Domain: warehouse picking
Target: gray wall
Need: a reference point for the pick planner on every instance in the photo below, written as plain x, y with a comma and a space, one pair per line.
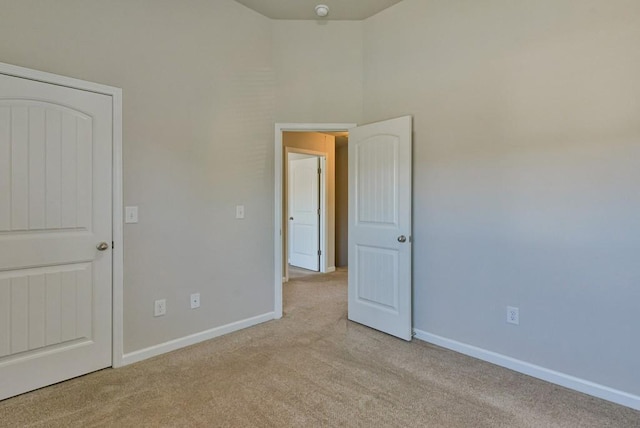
199, 80
526, 173
318, 70
199, 94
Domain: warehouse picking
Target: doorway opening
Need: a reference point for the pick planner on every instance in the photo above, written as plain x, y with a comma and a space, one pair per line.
296, 138
379, 222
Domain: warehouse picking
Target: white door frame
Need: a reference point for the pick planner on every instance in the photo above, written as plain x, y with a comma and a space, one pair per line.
278, 170
117, 250
323, 209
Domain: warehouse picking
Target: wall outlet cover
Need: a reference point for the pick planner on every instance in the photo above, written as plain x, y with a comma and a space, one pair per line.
130, 214
160, 307
513, 315
240, 211
195, 300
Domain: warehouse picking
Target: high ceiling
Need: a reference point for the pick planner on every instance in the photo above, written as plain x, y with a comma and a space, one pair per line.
305, 9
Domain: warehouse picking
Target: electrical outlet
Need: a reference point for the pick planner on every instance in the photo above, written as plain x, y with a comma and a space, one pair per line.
160, 307
130, 214
195, 300
240, 211
513, 315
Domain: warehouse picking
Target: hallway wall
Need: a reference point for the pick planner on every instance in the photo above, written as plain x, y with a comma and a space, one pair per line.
342, 203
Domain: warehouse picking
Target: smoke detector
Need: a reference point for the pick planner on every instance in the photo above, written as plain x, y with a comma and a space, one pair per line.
322, 10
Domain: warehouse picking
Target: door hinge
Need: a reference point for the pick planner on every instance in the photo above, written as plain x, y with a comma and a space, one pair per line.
319, 170
319, 252
112, 246
318, 211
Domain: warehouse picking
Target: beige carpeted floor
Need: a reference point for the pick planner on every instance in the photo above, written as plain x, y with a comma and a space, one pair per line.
312, 368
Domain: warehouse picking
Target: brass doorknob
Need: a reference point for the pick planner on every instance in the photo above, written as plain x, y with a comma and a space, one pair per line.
102, 246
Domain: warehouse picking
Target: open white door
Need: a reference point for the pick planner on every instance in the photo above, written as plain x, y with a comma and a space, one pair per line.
380, 226
55, 233
304, 213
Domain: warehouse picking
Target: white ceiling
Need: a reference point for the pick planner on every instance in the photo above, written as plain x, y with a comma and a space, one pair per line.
305, 9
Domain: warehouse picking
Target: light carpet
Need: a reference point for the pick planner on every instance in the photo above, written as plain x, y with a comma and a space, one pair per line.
311, 368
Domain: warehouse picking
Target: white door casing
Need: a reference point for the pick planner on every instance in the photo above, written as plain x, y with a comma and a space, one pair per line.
56, 146
304, 213
278, 150
380, 226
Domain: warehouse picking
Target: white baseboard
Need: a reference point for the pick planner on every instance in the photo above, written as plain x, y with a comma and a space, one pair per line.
562, 379
192, 339
331, 269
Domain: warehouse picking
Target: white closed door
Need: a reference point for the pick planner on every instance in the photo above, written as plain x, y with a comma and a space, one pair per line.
55, 210
380, 226
304, 213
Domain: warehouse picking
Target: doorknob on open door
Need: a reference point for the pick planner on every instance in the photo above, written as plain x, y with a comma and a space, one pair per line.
402, 238
102, 246
290, 218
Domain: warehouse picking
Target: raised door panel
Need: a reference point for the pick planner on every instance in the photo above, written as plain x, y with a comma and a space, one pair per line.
46, 167
377, 181
377, 277
45, 307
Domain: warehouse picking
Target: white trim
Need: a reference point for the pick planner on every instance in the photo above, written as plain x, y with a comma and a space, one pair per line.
324, 221
118, 235
277, 176
192, 339
558, 378
117, 254
44, 77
